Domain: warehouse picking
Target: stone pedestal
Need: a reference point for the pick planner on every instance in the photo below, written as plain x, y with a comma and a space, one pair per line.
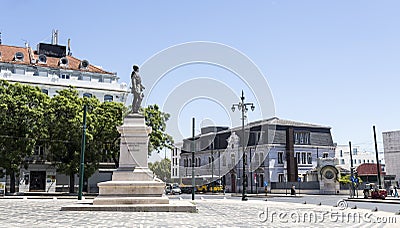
132, 182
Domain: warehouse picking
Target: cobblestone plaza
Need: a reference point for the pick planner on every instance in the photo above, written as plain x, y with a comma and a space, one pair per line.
211, 213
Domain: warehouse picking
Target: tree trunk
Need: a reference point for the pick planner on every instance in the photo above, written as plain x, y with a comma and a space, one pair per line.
72, 183
12, 181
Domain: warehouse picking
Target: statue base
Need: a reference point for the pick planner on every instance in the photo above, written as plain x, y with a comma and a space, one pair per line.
133, 182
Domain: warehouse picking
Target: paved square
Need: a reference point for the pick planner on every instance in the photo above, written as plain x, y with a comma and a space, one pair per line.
211, 213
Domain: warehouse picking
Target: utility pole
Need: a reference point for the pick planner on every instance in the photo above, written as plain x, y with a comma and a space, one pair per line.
351, 173
377, 160
82, 164
251, 173
212, 167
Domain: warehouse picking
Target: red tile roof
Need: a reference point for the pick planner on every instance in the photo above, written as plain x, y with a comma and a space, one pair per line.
368, 169
8, 54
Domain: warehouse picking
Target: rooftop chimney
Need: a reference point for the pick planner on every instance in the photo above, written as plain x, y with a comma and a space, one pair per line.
54, 37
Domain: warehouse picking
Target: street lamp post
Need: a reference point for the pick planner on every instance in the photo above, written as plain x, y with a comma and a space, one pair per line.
242, 106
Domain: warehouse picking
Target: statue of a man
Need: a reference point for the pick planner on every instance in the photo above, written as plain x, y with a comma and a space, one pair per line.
137, 89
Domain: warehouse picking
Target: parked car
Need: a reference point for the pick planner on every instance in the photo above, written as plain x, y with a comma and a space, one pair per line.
168, 189
176, 190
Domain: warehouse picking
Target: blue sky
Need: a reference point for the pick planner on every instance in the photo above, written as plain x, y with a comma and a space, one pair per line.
334, 63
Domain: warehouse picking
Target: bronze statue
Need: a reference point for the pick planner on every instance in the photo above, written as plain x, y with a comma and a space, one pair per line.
137, 89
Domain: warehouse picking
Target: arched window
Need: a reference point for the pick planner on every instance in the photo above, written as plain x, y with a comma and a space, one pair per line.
190, 162
108, 98
199, 164
88, 95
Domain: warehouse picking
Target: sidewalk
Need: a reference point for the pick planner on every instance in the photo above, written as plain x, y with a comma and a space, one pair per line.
389, 200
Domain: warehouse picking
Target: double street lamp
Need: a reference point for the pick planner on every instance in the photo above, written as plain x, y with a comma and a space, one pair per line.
242, 106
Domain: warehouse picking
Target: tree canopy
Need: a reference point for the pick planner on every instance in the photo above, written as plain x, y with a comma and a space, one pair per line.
29, 117
162, 169
21, 123
156, 119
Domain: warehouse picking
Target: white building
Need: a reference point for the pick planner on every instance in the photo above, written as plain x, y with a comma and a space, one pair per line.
52, 68
342, 153
175, 157
391, 145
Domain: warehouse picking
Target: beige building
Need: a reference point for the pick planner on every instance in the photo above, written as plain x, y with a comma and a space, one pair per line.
391, 145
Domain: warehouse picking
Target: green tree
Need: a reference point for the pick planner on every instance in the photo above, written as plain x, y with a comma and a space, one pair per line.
106, 138
162, 169
65, 116
21, 123
65, 130
156, 119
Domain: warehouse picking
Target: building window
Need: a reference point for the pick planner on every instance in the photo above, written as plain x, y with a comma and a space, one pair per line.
261, 159
372, 161
359, 161
88, 95
341, 153
199, 162
303, 158
64, 76
342, 161
45, 91
257, 158
223, 160
302, 138
232, 159
40, 73
261, 180
107, 80
364, 161
280, 157
298, 157
355, 151
281, 177
18, 71
325, 155
108, 98
39, 150
309, 158
85, 78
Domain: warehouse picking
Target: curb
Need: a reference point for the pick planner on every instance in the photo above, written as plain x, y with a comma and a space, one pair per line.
373, 201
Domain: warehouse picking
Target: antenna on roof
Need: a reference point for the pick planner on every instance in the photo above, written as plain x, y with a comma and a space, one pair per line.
54, 37
69, 47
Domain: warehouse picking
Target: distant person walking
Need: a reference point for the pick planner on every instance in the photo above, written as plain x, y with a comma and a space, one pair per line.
396, 194
293, 190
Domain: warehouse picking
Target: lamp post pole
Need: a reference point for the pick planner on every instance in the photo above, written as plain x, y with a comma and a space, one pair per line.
242, 106
193, 145
82, 163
